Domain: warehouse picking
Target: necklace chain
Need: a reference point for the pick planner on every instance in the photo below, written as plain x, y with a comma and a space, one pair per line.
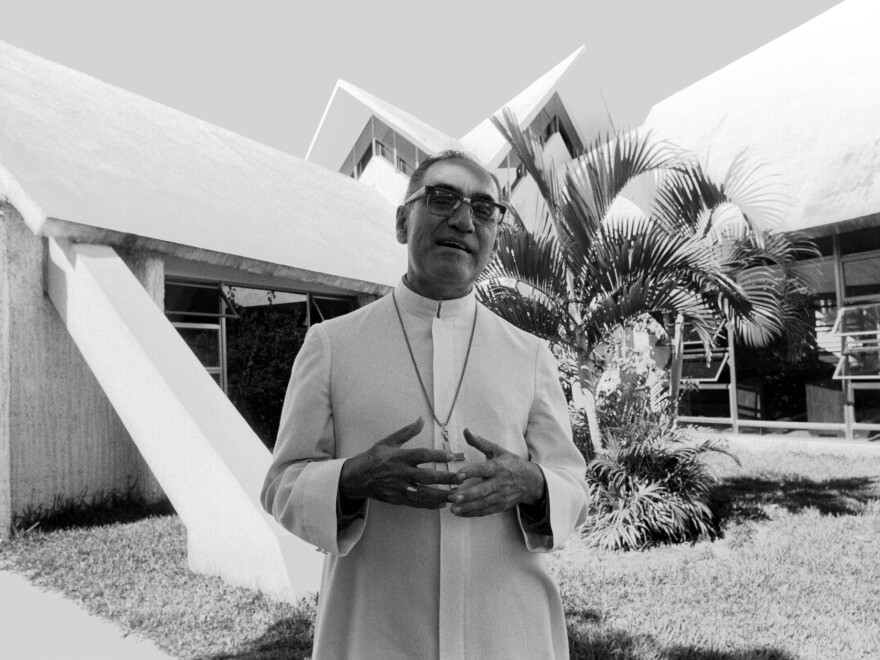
412, 357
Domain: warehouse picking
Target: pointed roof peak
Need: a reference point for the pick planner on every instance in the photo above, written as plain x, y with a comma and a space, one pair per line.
485, 141
349, 110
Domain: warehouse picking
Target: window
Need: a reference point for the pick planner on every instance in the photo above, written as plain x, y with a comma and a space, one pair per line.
859, 325
247, 340
861, 277
362, 163
696, 366
198, 312
378, 139
384, 150
857, 320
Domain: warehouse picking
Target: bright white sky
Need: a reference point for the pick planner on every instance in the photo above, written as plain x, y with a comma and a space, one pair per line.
266, 68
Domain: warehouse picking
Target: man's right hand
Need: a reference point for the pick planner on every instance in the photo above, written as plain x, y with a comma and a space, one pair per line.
384, 471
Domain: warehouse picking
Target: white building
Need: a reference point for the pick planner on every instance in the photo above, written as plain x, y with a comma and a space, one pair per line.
141, 247
807, 106
122, 218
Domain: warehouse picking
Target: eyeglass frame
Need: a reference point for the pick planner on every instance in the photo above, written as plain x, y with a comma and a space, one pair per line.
425, 190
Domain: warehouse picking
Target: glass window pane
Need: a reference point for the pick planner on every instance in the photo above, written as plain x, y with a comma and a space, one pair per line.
858, 319
329, 308
861, 277
696, 368
261, 344
867, 406
191, 299
860, 240
704, 403
821, 273
247, 297
205, 343
859, 363
827, 339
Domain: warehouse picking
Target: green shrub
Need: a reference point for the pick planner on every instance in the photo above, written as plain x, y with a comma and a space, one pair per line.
648, 483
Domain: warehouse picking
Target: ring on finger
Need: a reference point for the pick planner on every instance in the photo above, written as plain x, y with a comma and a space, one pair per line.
412, 492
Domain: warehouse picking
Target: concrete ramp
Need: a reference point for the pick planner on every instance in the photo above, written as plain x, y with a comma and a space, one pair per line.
204, 455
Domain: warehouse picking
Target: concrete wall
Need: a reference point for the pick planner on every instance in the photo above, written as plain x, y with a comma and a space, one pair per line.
381, 175
5, 384
59, 435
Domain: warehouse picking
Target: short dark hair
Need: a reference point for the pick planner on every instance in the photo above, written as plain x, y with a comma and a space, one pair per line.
418, 175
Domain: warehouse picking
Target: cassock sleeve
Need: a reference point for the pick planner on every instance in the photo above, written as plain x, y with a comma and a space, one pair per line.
548, 437
302, 485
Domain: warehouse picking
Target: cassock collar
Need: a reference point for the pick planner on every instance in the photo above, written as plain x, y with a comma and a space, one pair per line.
419, 305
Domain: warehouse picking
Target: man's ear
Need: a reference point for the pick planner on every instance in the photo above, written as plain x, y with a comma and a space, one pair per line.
402, 213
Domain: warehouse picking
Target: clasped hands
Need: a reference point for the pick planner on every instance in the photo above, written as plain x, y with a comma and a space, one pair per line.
384, 472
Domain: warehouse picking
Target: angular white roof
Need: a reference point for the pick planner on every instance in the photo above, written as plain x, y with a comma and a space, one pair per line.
347, 113
77, 149
350, 108
806, 104
577, 90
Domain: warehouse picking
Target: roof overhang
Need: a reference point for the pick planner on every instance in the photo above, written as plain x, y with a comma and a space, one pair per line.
199, 263
347, 113
806, 105
76, 149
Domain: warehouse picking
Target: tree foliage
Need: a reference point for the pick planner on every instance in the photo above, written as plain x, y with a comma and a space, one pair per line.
649, 485
693, 249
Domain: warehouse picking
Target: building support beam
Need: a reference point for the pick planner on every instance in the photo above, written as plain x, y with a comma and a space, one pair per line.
206, 458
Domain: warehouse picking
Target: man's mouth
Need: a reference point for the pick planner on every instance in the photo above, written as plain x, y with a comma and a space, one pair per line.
450, 243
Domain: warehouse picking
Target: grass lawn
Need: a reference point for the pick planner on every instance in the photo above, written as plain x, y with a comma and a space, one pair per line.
796, 576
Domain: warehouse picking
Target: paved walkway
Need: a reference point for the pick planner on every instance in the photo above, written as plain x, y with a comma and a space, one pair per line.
42, 625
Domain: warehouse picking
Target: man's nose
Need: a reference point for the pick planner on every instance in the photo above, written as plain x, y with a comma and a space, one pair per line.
461, 219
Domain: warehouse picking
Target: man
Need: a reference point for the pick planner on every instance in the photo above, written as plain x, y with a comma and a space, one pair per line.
425, 446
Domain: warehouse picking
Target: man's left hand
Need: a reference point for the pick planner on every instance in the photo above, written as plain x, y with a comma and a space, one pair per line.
505, 480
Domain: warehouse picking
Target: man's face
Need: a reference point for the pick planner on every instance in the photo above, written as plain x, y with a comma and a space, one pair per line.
447, 254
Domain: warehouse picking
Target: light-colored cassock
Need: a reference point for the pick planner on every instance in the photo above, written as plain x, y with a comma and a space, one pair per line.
409, 583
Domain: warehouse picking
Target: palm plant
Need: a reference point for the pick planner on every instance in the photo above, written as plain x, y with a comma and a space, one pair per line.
696, 253
650, 484
656, 490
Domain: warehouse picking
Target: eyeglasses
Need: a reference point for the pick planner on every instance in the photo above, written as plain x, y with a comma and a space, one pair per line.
444, 202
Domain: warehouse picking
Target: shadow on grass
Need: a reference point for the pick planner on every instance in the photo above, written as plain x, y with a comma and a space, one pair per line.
104, 509
287, 639
743, 498
594, 643
292, 639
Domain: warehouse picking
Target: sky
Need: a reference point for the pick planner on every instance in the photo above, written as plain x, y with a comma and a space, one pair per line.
266, 68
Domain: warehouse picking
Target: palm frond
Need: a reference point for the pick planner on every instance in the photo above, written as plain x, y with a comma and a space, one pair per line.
523, 258
763, 200
531, 153
685, 199
531, 313
612, 161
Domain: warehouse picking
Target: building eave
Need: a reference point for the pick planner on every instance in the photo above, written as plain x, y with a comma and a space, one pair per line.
80, 233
